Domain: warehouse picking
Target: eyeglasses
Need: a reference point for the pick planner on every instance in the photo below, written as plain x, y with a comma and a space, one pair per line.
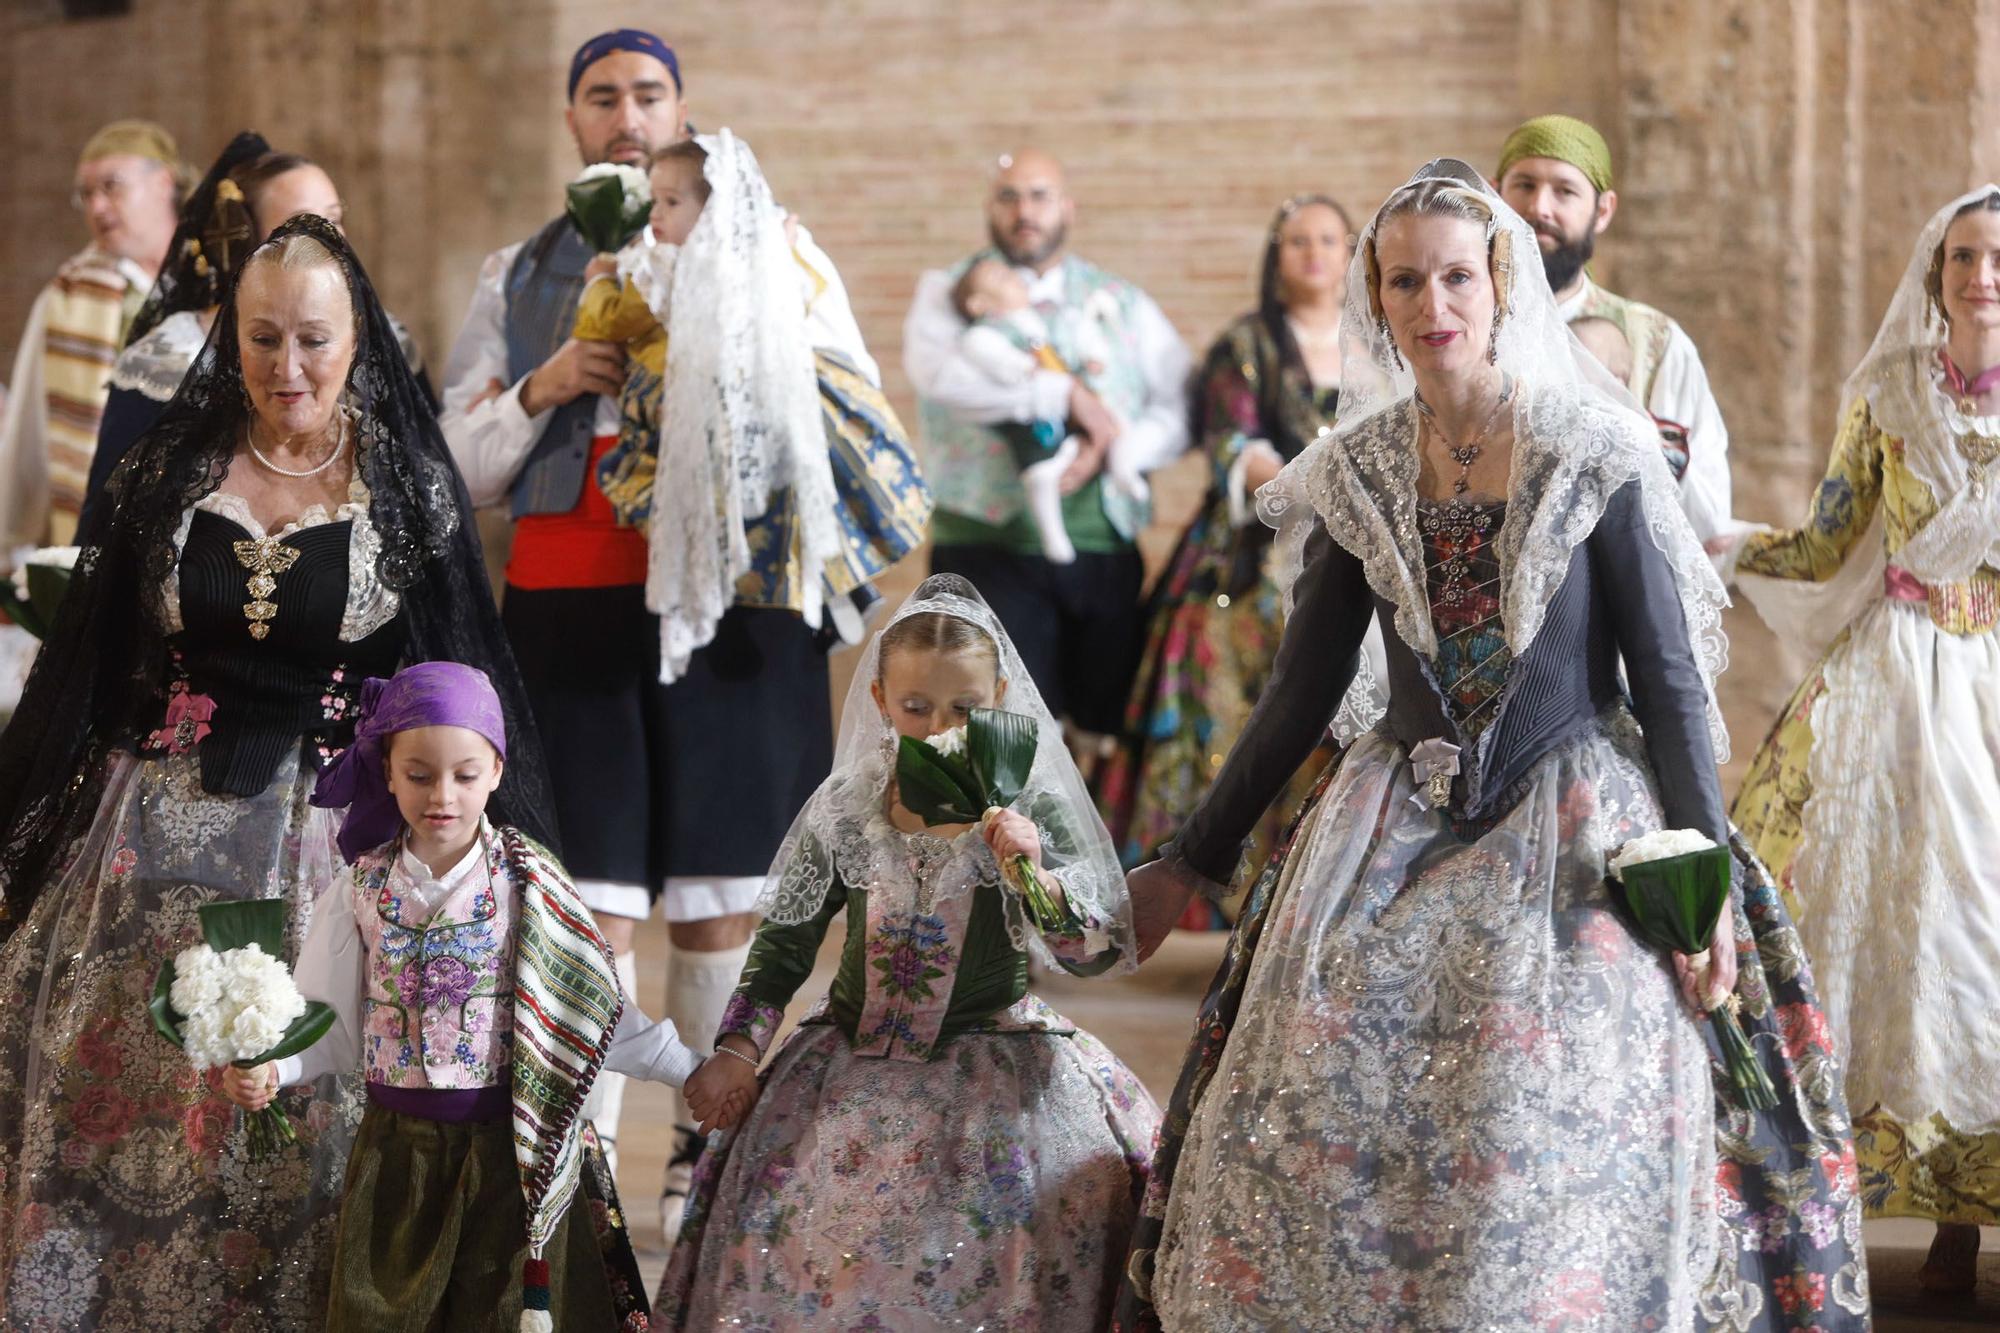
113, 188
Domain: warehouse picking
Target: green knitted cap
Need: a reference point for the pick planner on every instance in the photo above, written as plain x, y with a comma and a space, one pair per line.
1564, 138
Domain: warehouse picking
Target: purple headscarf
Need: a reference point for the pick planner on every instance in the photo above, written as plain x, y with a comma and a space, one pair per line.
429, 694
621, 39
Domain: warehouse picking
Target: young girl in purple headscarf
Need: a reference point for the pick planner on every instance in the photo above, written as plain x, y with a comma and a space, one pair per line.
475, 992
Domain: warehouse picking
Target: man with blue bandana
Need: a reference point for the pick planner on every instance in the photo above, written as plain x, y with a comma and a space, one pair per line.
646, 811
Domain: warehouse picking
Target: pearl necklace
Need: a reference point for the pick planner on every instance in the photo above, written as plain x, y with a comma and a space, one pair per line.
339, 446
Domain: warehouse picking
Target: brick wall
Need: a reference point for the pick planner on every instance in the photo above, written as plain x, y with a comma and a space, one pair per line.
1775, 156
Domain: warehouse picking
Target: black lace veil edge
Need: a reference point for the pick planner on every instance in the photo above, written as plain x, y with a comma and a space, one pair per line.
192, 278
99, 681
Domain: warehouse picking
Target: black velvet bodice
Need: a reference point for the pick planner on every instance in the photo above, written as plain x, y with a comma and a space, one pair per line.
294, 686
1618, 601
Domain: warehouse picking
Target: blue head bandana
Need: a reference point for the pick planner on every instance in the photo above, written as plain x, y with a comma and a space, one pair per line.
621, 39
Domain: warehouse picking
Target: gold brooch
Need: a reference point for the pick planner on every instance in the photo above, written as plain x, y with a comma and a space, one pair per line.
265, 558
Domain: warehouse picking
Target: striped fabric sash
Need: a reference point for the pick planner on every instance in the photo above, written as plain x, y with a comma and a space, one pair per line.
86, 325
566, 1006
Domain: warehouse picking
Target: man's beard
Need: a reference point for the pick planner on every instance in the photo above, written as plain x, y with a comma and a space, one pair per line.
1028, 258
1568, 258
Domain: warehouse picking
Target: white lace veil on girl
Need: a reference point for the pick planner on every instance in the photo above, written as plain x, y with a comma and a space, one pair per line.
843, 832
740, 419
1578, 437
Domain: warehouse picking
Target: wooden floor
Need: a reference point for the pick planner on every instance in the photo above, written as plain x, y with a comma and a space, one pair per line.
1146, 1018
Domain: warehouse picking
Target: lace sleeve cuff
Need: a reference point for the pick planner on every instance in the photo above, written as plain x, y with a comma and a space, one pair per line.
752, 1018
1176, 863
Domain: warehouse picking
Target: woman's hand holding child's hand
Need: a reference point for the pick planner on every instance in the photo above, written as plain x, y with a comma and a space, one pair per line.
253, 1088
723, 1090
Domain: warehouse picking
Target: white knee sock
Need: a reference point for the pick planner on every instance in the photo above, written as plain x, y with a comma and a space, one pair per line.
699, 984
607, 1094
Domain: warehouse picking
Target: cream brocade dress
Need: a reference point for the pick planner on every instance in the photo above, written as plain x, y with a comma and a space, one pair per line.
1876, 800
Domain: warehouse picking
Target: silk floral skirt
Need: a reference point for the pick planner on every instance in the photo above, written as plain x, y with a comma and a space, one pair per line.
991, 1187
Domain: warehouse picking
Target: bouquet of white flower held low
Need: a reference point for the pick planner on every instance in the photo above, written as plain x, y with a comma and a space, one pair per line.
608, 204
1675, 884
962, 775
41, 577
231, 1000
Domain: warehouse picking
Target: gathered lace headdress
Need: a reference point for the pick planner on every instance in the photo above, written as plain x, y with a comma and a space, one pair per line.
844, 831
1578, 438
1902, 379
740, 418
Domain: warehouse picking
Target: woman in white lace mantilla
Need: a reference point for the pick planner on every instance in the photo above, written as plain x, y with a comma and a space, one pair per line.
1876, 795
934, 1146
1440, 1085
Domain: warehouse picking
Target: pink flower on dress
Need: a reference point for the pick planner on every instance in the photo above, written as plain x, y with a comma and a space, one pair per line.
186, 722
1802, 1027
1843, 1177
205, 1126
101, 1114
241, 1250
97, 1050
1807, 1289
1578, 1298
124, 861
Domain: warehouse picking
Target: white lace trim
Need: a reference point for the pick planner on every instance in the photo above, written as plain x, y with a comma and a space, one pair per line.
371, 604
158, 362
1572, 452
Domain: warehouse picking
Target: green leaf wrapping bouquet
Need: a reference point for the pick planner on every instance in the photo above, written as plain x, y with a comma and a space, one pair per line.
608, 204
231, 1000
961, 775
41, 578
1675, 885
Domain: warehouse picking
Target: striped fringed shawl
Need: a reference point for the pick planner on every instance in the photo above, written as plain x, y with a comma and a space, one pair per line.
566, 1005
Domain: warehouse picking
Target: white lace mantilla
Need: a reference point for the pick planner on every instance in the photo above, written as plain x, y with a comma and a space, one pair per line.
157, 363
1573, 451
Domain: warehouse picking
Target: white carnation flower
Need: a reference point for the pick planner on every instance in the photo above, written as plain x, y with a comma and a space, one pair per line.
949, 742
1659, 846
238, 1003
630, 179
198, 978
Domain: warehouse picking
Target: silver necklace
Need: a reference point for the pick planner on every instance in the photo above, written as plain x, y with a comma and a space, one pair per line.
339, 446
1468, 453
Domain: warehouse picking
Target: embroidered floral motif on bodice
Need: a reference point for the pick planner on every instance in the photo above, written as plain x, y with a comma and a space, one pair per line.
913, 954
438, 1010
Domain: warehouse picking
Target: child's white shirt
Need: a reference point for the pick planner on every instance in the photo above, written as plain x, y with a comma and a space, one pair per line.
333, 964
998, 354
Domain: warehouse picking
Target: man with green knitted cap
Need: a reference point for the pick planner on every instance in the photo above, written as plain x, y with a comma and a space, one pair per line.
1555, 171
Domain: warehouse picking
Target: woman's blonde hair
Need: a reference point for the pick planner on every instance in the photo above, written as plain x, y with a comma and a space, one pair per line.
1443, 197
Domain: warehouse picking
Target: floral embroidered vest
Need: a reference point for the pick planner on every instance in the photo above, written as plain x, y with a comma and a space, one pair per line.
438, 1005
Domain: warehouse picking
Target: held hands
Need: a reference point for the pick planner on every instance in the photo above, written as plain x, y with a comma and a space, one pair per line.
1158, 898
253, 1088
600, 266
578, 367
723, 1090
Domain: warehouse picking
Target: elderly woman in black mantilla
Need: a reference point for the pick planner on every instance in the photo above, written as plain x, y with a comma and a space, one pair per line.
1439, 1082
291, 526
249, 190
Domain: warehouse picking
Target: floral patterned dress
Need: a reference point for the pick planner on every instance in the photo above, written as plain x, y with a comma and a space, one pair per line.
1216, 613
1874, 799
1413, 1092
934, 1147
127, 1200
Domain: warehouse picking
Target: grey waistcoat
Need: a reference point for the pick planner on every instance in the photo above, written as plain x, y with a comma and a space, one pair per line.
543, 284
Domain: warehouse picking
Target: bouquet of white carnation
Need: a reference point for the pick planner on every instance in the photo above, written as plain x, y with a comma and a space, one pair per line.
231, 1000
607, 204
1675, 884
